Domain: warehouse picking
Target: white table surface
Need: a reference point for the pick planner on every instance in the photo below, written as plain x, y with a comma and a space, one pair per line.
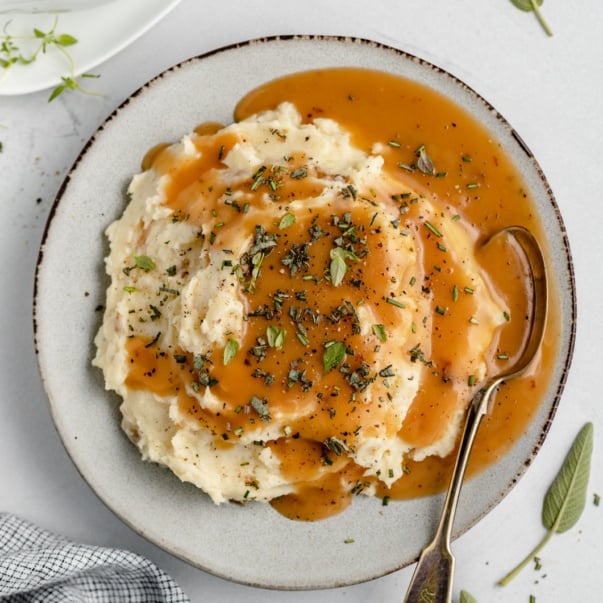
550, 89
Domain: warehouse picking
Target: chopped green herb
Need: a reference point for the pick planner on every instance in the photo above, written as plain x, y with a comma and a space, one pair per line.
395, 302
299, 173
261, 407
336, 445
155, 312
388, 371
276, 337
144, 262
333, 355
379, 332
338, 266
432, 229
417, 355
537, 564
230, 350
424, 163
287, 220
154, 340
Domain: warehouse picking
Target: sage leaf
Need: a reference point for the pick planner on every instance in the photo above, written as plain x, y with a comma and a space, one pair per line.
526, 5
467, 597
533, 6
276, 337
144, 262
333, 356
338, 266
261, 407
566, 497
424, 162
287, 220
230, 350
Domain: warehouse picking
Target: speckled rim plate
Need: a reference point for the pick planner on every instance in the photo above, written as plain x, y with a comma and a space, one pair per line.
253, 544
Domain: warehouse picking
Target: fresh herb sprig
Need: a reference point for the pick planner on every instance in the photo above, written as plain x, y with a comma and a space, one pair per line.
11, 54
565, 498
533, 6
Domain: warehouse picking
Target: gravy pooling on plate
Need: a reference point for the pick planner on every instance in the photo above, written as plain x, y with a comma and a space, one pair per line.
300, 306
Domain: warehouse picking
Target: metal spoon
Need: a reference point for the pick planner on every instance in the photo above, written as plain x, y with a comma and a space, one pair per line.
432, 580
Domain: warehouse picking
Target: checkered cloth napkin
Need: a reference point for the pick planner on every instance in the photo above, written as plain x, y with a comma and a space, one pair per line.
37, 566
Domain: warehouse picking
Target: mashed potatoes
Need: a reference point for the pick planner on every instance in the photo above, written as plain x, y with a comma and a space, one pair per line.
271, 317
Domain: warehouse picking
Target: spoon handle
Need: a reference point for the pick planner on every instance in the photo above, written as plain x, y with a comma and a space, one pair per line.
432, 580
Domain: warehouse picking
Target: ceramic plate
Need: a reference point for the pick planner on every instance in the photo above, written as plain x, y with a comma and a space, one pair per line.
101, 32
253, 544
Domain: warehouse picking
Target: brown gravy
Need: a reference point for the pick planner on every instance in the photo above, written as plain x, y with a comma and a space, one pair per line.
477, 181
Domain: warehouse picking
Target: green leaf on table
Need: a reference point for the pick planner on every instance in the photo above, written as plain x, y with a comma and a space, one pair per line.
467, 597
566, 497
526, 4
533, 6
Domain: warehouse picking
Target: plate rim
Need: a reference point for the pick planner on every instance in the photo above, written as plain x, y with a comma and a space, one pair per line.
558, 385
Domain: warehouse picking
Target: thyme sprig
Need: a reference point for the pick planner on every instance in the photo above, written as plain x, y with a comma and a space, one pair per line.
42, 42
